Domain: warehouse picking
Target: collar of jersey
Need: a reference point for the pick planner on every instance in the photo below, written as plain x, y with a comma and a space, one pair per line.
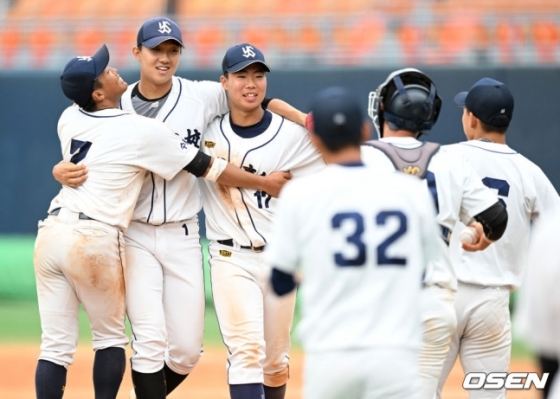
490, 145
105, 113
409, 142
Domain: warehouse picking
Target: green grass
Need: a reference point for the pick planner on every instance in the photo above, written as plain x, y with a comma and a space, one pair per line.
19, 315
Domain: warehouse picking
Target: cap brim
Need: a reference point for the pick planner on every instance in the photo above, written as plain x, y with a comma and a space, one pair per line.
242, 65
460, 98
101, 60
156, 41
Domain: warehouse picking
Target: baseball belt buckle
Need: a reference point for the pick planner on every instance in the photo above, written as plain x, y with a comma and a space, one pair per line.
257, 249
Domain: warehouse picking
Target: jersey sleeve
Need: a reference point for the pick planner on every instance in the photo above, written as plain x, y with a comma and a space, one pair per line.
160, 150
283, 245
304, 158
432, 243
547, 201
214, 98
476, 196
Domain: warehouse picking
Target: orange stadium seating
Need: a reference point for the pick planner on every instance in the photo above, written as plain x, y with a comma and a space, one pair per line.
340, 32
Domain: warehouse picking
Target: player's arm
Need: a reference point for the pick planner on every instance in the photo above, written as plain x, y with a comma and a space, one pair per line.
490, 226
69, 174
221, 171
285, 110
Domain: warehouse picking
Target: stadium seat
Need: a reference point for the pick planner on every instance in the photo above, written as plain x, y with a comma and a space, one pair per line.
10, 40
206, 40
410, 37
41, 40
545, 35
87, 40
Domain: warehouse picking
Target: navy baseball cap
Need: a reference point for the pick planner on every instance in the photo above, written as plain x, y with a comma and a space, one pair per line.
489, 100
79, 74
337, 116
241, 56
157, 30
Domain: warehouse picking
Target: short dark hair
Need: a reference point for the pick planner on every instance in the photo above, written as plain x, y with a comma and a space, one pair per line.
487, 128
337, 145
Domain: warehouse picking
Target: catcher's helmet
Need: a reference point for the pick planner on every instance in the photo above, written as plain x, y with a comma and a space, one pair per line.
407, 100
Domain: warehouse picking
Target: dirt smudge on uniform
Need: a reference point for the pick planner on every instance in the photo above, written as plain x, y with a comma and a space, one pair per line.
223, 193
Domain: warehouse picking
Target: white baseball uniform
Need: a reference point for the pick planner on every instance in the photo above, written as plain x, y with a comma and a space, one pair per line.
255, 324
537, 314
79, 252
363, 241
165, 277
459, 195
483, 336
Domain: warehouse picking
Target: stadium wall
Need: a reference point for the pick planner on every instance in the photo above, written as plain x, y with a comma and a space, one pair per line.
31, 102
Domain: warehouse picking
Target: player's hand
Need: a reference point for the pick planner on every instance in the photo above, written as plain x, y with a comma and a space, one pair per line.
483, 241
70, 175
274, 182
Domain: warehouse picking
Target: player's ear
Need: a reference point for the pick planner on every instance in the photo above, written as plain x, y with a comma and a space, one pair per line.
223, 81
473, 120
136, 53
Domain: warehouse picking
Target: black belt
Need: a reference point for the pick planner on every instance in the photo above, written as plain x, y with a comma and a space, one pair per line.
229, 243
80, 216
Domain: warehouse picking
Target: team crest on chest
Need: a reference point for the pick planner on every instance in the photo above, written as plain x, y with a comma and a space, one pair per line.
225, 253
209, 144
412, 170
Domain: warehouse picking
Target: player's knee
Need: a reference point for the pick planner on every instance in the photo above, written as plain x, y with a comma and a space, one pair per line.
276, 378
184, 361
248, 354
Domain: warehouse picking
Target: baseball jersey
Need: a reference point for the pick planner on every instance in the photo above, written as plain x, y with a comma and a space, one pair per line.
456, 190
362, 241
188, 109
117, 147
244, 215
537, 314
528, 196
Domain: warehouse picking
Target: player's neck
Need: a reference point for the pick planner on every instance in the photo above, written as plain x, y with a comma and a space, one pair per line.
153, 91
344, 156
498, 138
106, 104
398, 133
246, 118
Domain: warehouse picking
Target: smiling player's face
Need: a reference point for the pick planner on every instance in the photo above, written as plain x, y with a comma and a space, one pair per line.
247, 88
158, 64
112, 85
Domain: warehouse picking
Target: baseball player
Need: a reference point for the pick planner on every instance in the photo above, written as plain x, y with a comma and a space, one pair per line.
165, 274
254, 323
537, 311
362, 240
79, 251
485, 279
402, 108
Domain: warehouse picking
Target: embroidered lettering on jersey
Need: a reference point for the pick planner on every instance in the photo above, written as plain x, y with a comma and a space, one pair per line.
193, 137
209, 144
412, 170
225, 253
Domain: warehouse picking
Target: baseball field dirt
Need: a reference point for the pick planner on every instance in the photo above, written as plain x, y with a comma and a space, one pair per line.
208, 380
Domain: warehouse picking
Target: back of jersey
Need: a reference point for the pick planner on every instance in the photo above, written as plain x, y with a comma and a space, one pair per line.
363, 241
525, 191
117, 148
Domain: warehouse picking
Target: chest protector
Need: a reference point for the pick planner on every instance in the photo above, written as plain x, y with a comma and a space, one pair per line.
413, 161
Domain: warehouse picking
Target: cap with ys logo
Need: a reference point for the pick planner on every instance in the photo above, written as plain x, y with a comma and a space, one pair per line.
241, 56
157, 30
79, 74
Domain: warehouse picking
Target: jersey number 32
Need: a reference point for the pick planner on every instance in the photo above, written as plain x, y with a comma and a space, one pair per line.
355, 238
